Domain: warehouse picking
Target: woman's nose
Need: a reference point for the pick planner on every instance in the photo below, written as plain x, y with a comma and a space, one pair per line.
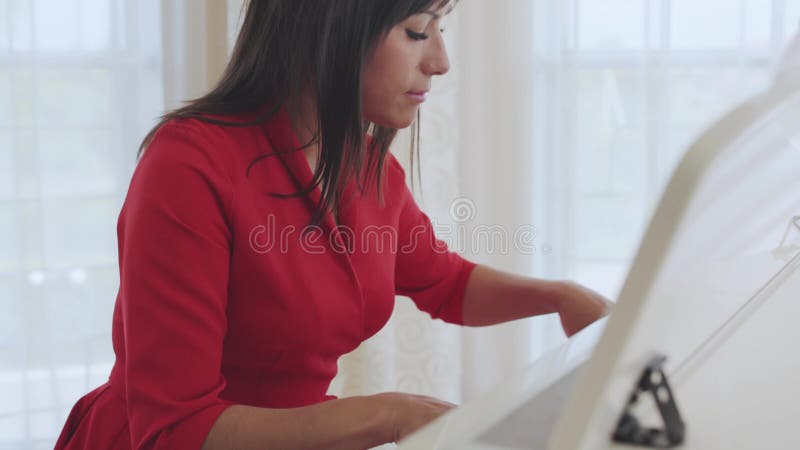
437, 61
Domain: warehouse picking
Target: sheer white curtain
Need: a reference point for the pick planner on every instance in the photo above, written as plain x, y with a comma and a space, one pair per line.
195, 46
80, 83
622, 87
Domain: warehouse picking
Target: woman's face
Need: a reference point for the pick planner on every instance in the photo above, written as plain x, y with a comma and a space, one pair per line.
397, 73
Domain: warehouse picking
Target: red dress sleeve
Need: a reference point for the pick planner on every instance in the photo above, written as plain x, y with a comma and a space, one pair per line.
434, 277
174, 260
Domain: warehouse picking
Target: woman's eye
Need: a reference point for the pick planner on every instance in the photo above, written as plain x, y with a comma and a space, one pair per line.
416, 36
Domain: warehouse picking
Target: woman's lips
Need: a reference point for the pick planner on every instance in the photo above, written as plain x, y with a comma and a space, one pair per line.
417, 96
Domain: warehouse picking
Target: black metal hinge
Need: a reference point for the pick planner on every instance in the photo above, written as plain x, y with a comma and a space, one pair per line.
630, 431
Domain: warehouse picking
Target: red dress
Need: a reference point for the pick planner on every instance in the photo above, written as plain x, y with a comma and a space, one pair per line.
222, 302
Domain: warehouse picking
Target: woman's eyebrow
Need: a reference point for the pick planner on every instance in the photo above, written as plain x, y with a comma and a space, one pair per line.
436, 15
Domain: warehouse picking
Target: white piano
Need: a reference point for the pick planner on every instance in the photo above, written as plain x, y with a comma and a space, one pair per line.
705, 329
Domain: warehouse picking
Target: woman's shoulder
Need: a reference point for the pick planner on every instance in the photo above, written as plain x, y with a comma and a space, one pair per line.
214, 131
222, 142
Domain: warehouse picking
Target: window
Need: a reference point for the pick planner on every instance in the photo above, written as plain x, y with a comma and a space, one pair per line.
623, 87
80, 84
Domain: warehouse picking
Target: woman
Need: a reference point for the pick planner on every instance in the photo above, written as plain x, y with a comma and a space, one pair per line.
245, 275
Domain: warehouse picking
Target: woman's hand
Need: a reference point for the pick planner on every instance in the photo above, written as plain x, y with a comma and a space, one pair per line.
406, 413
579, 306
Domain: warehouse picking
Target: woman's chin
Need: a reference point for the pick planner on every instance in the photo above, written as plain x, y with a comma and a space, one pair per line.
404, 124
398, 123
398, 119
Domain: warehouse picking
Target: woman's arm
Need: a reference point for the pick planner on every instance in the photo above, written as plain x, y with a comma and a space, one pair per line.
348, 423
492, 297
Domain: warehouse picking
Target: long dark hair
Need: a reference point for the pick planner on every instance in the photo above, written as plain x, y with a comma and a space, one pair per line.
285, 46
